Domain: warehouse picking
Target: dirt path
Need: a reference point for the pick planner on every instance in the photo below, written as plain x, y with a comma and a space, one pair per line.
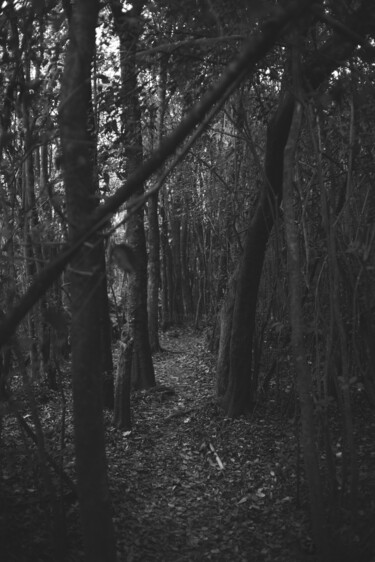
189, 485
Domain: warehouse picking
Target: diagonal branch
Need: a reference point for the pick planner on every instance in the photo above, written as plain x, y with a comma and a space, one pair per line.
255, 49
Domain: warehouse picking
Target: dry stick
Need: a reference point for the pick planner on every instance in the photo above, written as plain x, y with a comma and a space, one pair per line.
255, 49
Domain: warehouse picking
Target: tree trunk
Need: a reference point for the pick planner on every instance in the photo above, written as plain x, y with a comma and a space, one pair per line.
225, 320
128, 29
106, 362
240, 392
153, 222
153, 273
166, 272
91, 467
186, 284
122, 414
303, 374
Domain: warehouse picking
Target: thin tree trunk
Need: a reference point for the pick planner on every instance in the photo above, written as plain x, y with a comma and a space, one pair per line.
153, 273
143, 375
122, 413
186, 284
166, 272
225, 319
153, 221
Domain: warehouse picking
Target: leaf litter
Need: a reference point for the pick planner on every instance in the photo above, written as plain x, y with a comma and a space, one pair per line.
197, 486
187, 483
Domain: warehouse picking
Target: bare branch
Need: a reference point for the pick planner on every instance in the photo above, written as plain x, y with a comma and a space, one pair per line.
255, 49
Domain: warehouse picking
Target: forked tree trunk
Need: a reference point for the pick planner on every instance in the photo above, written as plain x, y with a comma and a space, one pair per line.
241, 390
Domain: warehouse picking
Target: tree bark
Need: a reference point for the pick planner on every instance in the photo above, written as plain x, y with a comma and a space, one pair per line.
154, 276
122, 413
303, 374
225, 320
166, 270
91, 467
185, 273
254, 50
240, 392
241, 389
106, 362
153, 273
129, 30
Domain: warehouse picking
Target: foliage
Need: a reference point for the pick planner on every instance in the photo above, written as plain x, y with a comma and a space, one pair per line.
209, 195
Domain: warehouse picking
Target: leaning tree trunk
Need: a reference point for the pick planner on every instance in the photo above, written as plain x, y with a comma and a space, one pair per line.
91, 468
128, 29
240, 392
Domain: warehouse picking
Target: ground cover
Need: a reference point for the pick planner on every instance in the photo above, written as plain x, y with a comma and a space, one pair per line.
187, 484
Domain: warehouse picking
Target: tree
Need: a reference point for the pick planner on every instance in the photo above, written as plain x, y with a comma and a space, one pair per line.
129, 28
240, 394
303, 374
253, 50
154, 276
85, 279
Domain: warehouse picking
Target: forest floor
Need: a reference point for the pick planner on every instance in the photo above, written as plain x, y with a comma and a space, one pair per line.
187, 484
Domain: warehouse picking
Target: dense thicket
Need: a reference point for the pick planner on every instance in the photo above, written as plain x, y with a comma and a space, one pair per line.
244, 206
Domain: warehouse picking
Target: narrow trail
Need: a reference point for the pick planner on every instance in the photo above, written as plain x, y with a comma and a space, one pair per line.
189, 485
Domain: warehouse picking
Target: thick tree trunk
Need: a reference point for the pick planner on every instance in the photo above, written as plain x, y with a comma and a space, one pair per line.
303, 374
93, 491
240, 392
